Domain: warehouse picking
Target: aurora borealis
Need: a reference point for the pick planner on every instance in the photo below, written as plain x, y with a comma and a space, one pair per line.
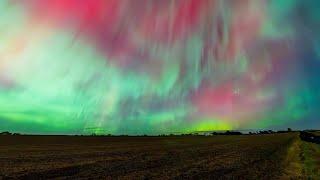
158, 66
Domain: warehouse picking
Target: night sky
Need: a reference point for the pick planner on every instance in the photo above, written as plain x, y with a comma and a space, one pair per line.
158, 66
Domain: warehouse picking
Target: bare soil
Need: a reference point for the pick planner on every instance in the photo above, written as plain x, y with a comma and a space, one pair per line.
177, 157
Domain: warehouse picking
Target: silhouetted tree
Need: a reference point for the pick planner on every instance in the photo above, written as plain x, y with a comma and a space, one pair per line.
232, 133
5, 133
271, 132
214, 133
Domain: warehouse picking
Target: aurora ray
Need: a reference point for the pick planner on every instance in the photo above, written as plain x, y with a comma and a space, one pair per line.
136, 67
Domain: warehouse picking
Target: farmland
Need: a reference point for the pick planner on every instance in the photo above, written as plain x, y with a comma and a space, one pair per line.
317, 133
251, 157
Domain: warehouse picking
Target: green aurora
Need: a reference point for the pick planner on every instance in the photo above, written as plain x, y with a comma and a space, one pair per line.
69, 67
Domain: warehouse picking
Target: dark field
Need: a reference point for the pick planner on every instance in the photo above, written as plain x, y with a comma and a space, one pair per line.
317, 133
249, 157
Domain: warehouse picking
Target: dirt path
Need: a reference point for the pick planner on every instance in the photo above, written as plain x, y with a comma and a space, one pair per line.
311, 159
303, 160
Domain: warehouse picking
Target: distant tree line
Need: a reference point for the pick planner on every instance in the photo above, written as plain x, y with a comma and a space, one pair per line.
7, 133
188, 134
206, 134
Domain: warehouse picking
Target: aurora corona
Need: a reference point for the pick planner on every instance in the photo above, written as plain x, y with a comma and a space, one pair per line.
135, 67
